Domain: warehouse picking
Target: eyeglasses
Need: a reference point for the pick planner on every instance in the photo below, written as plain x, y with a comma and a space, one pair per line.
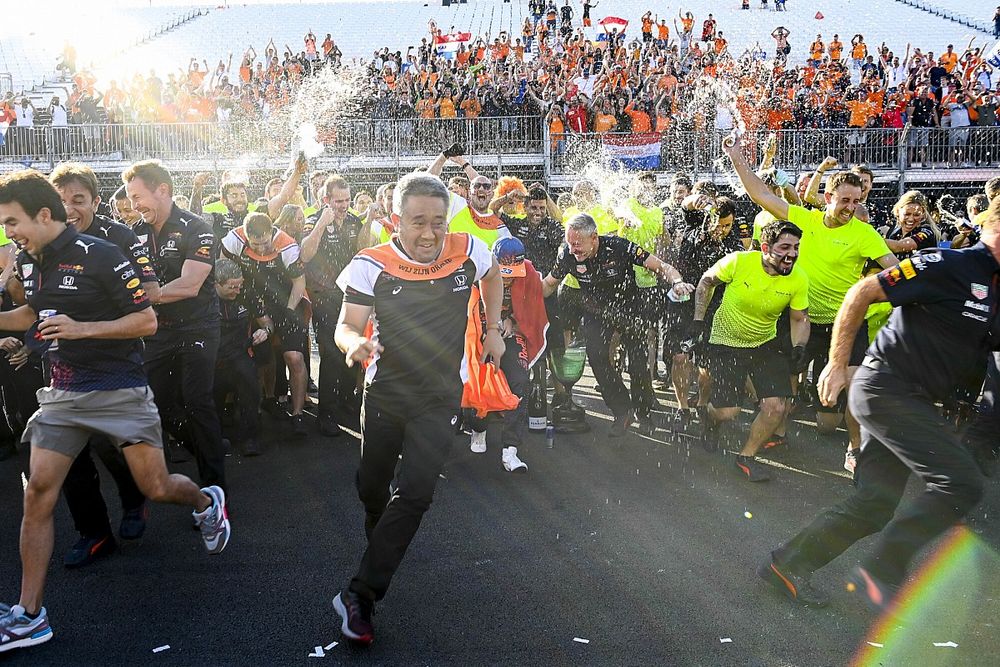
482, 185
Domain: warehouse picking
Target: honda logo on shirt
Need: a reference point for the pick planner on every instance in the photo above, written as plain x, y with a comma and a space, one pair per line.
67, 280
460, 280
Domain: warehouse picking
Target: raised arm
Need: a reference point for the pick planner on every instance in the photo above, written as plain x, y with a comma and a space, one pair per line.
756, 189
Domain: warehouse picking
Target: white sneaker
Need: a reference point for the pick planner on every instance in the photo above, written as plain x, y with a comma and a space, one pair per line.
478, 444
510, 461
850, 461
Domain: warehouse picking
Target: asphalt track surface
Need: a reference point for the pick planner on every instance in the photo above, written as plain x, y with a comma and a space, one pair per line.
646, 550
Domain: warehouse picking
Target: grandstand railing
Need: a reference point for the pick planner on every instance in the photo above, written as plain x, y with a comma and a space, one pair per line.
371, 142
798, 150
376, 138
6, 83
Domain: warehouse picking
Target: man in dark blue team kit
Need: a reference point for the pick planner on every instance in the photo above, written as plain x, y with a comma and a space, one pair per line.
936, 344
91, 345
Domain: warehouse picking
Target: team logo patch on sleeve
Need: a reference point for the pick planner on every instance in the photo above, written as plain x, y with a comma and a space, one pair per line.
980, 291
906, 266
892, 276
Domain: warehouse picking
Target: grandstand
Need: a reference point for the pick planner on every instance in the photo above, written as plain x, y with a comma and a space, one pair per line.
165, 38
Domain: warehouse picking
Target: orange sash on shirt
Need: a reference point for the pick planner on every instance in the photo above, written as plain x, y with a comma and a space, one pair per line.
485, 220
453, 255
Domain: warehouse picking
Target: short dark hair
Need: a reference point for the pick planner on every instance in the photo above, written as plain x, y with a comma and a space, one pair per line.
335, 182
863, 170
70, 172
150, 172
120, 194
773, 231
681, 179
537, 192
705, 187
257, 225
33, 192
724, 207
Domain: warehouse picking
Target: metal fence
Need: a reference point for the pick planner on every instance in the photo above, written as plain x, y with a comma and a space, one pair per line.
798, 150
387, 138
6, 83
519, 140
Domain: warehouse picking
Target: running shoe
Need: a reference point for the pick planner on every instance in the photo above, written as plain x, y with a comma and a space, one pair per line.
19, 631
751, 469
88, 549
775, 440
356, 615
478, 442
795, 586
851, 461
214, 521
133, 524
328, 426
877, 594
298, 426
619, 428
510, 461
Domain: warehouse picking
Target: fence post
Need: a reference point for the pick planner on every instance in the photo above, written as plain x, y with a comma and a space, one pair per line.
901, 142
50, 150
546, 149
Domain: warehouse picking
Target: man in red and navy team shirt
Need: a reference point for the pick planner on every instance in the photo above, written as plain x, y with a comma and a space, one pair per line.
97, 385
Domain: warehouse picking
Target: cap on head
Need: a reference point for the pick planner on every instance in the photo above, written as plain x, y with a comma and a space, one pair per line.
510, 256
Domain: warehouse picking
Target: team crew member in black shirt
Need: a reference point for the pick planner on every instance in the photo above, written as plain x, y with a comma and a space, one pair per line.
97, 382
180, 358
937, 343
913, 230
417, 286
236, 199
243, 325
274, 274
603, 265
77, 187
330, 241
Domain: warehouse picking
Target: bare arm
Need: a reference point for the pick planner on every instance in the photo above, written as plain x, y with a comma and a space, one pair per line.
193, 275
799, 327
759, 193
278, 201
18, 319
812, 192
549, 285
703, 294
349, 335
852, 312
887, 261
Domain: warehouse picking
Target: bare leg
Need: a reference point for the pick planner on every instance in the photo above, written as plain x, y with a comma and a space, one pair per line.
680, 377
296, 380
150, 472
48, 470
771, 412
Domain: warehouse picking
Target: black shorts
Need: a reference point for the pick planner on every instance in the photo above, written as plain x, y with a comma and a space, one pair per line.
676, 322
291, 329
766, 366
818, 351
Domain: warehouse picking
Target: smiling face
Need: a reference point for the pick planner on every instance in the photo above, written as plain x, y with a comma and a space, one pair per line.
480, 193
910, 216
30, 233
842, 202
581, 246
229, 289
153, 204
236, 200
80, 204
423, 223
780, 256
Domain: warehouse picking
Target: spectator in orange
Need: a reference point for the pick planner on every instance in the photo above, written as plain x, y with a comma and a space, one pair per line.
949, 59
836, 48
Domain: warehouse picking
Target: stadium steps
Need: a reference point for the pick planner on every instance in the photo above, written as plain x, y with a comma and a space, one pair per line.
950, 15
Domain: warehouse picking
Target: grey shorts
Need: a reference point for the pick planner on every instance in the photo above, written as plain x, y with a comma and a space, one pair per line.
66, 420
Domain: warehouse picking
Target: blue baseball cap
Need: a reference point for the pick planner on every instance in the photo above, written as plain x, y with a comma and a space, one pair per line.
510, 256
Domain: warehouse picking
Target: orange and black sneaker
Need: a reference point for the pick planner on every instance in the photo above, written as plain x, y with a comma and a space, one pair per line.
775, 440
751, 469
795, 586
88, 549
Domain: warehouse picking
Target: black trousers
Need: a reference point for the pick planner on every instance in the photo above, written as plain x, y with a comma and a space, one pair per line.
237, 374
181, 370
337, 382
901, 433
597, 332
423, 432
82, 487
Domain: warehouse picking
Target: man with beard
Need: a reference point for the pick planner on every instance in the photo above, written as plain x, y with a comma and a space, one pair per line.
743, 343
834, 250
236, 200
472, 215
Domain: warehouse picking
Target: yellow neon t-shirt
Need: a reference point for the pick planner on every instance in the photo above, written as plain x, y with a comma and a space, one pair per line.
754, 300
644, 235
833, 258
